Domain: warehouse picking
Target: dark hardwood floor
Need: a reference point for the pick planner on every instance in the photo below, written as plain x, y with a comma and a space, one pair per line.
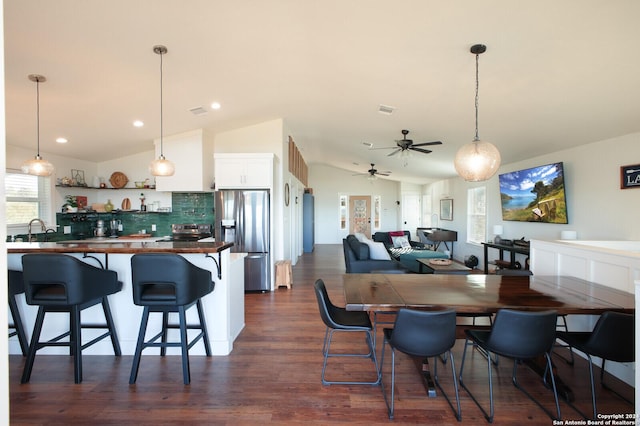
273, 376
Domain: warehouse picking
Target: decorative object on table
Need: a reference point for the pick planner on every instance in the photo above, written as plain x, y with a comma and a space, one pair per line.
118, 180
446, 209
98, 207
143, 207
161, 166
108, 206
77, 178
37, 166
478, 160
444, 262
139, 184
630, 176
497, 232
126, 204
70, 205
81, 201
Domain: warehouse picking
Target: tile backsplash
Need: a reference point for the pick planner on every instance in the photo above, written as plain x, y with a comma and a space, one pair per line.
187, 207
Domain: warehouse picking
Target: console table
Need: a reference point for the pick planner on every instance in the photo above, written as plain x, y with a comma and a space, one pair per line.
512, 249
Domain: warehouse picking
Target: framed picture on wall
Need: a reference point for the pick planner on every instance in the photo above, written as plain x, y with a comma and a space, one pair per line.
446, 209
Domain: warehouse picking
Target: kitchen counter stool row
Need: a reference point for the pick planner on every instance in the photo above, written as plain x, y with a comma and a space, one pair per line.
59, 283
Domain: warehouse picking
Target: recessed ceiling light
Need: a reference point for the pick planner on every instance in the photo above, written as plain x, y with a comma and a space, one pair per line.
62, 140
138, 123
216, 105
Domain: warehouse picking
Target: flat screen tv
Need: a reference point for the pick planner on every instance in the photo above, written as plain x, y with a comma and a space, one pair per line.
534, 195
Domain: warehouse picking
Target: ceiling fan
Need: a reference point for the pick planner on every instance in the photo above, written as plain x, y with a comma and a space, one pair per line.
405, 145
373, 173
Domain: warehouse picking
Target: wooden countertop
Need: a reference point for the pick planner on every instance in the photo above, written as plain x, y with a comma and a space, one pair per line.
124, 247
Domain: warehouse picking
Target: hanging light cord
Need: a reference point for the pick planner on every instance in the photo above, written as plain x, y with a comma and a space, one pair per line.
477, 88
38, 116
161, 111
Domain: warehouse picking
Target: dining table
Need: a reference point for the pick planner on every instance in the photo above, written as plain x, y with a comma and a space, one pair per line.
482, 294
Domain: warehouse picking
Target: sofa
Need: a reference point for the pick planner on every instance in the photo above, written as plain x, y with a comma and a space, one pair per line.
405, 251
358, 258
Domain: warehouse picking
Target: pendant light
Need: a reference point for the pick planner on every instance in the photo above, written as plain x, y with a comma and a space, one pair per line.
37, 166
161, 166
478, 160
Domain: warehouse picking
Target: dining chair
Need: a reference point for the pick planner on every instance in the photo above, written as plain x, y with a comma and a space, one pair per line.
59, 283
519, 335
561, 321
612, 339
337, 319
422, 334
166, 283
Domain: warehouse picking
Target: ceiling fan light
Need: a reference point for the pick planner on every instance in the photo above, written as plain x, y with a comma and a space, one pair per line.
37, 167
477, 161
162, 167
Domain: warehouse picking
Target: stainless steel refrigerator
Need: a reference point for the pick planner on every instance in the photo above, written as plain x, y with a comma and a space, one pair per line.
242, 217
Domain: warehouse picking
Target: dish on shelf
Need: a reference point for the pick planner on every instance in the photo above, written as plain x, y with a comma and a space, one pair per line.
441, 262
118, 180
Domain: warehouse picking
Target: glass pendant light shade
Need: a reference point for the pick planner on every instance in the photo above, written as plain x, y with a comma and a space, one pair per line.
478, 160
37, 166
161, 166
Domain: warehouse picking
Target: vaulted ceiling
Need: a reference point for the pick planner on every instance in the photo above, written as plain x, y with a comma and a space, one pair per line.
556, 74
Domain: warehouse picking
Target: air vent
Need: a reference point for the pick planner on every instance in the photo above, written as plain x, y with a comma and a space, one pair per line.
198, 111
386, 110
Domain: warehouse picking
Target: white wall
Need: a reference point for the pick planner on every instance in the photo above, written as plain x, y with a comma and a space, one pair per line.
596, 206
329, 183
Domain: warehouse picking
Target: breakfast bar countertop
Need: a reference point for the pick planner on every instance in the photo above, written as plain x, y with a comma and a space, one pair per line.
119, 247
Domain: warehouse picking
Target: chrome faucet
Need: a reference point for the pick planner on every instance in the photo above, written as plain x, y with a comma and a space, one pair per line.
42, 225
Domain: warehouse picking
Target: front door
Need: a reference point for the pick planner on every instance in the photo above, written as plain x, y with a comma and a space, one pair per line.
360, 214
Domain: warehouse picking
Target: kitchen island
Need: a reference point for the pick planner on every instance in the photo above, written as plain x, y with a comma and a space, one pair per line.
223, 308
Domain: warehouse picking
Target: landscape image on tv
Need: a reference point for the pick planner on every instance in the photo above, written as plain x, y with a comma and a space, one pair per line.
534, 195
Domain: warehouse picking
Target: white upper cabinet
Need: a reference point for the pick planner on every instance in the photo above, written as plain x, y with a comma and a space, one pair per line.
192, 155
244, 170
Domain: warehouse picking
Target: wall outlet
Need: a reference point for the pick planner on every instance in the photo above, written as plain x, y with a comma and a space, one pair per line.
67, 229
153, 227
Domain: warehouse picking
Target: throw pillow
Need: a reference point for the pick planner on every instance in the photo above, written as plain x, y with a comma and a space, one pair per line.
377, 251
360, 237
395, 234
399, 242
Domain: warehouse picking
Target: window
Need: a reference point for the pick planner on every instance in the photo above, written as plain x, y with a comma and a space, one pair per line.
27, 197
476, 214
343, 212
376, 211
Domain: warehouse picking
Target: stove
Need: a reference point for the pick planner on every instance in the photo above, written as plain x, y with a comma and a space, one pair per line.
190, 231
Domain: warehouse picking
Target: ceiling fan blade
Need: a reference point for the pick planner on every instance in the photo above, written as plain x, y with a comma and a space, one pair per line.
383, 147
394, 152
428, 143
425, 151
383, 174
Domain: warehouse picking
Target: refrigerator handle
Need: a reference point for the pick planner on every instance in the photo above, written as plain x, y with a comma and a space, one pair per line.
240, 225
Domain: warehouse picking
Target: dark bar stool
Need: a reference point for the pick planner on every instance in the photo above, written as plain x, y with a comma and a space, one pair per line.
164, 282
16, 286
62, 283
